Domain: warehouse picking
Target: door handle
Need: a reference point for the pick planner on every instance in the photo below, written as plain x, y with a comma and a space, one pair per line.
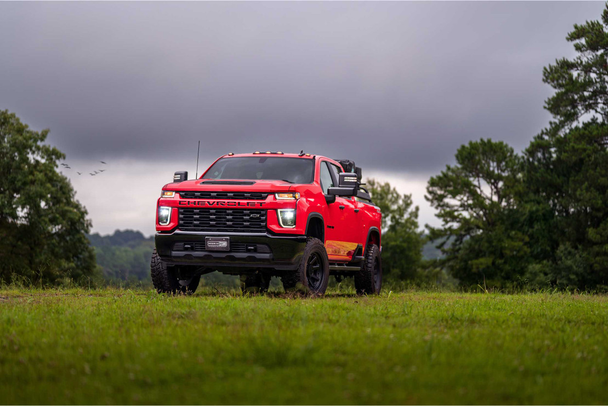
341, 207
356, 210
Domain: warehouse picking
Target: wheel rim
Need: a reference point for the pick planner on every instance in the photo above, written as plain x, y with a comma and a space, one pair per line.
377, 274
314, 271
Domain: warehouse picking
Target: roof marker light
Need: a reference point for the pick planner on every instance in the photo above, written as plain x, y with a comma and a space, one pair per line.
230, 154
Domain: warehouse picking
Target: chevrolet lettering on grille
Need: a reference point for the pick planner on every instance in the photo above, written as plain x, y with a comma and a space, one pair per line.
212, 203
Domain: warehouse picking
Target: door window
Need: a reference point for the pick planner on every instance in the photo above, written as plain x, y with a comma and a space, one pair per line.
325, 176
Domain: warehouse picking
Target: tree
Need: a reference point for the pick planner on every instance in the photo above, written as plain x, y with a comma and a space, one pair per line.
42, 227
566, 167
581, 84
481, 222
402, 242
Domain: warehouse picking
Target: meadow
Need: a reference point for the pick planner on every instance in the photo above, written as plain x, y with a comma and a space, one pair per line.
122, 346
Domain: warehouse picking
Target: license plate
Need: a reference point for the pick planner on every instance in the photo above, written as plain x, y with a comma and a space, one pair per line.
217, 243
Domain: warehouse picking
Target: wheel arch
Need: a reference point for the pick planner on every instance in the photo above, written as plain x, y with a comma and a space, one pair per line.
315, 226
373, 237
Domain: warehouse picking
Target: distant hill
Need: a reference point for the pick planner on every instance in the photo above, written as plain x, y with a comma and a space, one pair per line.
124, 255
430, 252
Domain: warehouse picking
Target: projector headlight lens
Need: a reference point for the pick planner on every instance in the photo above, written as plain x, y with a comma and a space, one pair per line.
287, 218
164, 215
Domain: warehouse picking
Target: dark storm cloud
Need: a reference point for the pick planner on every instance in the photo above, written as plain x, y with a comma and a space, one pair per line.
395, 86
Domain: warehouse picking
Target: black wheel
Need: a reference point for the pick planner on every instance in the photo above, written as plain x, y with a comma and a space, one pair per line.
312, 276
255, 283
368, 280
165, 278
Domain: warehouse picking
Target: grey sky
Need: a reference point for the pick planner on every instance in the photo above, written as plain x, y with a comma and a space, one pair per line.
395, 86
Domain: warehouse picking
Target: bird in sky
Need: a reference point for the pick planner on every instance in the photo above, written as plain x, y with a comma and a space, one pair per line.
64, 164
103, 162
78, 173
92, 174
102, 170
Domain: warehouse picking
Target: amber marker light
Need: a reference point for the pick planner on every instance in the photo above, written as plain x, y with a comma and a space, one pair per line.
287, 196
167, 193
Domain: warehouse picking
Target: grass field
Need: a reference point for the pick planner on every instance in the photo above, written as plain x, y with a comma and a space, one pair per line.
120, 346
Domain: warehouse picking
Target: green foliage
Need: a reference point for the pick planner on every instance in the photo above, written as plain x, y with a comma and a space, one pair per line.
567, 185
566, 167
137, 347
124, 256
581, 83
402, 242
42, 226
477, 203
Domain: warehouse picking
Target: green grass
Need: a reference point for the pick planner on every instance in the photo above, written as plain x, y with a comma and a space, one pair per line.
116, 346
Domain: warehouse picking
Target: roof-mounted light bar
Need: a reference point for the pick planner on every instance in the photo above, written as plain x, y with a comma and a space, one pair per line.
269, 152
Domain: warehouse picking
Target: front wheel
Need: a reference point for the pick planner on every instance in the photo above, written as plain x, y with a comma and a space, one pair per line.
312, 276
368, 280
165, 278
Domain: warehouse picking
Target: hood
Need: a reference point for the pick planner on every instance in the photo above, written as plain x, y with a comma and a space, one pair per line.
228, 185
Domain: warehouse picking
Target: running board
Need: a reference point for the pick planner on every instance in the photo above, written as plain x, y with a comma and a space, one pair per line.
343, 268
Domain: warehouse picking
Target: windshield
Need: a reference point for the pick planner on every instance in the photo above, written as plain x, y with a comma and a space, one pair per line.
294, 170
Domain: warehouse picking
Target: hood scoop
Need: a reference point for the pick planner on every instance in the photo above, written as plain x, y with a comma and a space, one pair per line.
226, 182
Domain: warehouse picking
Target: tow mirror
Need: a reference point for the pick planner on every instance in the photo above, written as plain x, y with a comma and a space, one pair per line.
348, 185
359, 174
180, 176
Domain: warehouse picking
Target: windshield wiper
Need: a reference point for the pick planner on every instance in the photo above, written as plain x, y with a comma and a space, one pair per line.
288, 181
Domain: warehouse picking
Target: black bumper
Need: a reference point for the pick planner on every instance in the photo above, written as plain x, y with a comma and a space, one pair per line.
283, 253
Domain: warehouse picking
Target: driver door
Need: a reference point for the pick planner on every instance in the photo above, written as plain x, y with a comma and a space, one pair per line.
340, 225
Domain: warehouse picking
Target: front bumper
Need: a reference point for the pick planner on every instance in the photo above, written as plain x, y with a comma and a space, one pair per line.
283, 253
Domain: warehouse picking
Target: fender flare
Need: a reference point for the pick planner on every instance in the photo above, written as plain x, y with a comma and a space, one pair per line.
319, 216
369, 234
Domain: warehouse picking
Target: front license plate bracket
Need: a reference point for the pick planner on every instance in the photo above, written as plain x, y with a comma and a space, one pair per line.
217, 243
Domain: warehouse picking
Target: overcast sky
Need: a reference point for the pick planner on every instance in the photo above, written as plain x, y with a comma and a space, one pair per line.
396, 87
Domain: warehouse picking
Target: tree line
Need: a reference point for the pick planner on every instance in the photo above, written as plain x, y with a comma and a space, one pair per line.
537, 219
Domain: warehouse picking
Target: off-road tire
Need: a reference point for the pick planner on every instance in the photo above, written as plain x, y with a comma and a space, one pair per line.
255, 283
164, 278
312, 275
368, 281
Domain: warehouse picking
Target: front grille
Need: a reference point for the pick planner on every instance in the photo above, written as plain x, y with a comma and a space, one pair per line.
228, 220
224, 195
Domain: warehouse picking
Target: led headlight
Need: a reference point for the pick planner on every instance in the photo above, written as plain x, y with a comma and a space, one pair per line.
164, 215
287, 218
287, 196
167, 193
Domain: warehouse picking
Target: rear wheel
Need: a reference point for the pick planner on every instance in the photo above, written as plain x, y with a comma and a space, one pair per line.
255, 283
368, 280
165, 278
312, 276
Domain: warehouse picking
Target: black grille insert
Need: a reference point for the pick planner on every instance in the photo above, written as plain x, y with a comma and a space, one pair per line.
224, 195
228, 220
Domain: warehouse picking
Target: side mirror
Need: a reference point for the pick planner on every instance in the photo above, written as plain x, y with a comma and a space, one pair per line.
180, 176
348, 185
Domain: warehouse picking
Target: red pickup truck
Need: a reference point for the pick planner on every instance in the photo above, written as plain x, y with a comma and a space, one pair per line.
300, 217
